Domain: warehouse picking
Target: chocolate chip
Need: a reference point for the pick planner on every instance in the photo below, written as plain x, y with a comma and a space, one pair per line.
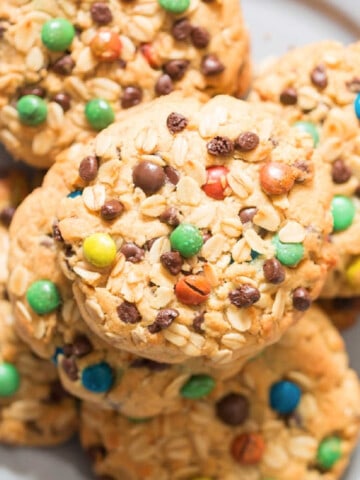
176, 68
128, 313
33, 90
57, 392
64, 100
67, 349
289, 96
96, 453
244, 296
220, 146
319, 77
247, 141
301, 299
198, 322
247, 214
69, 366
170, 217
172, 261
200, 37
172, 174
274, 272
6, 215
132, 252
341, 173
88, 168
150, 364
211, 65
164, 85
81, 346
132, 96
181, 29
111, 209
101, 13
64, 65
149, 243
353, 85
233, 409
176, 122
148, 176
163, 320
56, 233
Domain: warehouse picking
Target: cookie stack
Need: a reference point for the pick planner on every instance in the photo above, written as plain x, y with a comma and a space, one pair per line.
167, 266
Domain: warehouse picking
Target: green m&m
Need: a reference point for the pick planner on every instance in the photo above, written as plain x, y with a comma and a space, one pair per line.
289, 254
43, 297
99, 113
329, 452
174, 6
32, 110
186, 239
99, 250
309, 128
57, 34
197, 386
9, 379
343, 212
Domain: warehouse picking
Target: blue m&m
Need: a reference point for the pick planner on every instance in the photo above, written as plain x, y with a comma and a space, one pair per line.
97, 378
284, 397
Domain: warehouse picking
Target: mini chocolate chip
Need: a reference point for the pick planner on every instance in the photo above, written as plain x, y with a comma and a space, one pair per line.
303, 171
233, 409
301, 299
56, 233
121, 63
164, 85
176, 122
57, 392
96, 453
244, 296
293, 419
220, 146
149, 243
341, 173
69, 252
176, 68
172, 174
163, 320
33, 90
172, 261
206, 236
198, 322
211, 65
150, 364
132, 96
319, 77
247, 141
247, 214
6, 215
132, 252
353, 85
128, 313
3, 30
288, 96
69, 366
111, 209
181, 29
357, 191
88, 168
170, 217
148, 176
81, 346
101, 13
200, 37
274, 272
67, 349
64, 100
64, 65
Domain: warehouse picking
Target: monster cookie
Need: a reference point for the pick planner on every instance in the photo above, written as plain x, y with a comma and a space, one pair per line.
48, 320
67, 69
318, 89
34, 409
195, 235
292, 413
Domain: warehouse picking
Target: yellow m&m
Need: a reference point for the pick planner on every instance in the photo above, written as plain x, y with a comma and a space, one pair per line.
99, 250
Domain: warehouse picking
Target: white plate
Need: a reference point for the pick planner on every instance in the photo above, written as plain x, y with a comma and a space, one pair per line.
287, 23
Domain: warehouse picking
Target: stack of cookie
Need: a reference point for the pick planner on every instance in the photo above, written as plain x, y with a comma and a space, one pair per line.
167, 266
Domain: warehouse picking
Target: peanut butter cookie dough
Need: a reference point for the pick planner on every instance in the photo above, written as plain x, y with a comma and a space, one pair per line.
68, 69
318, 88
292, 413
196, 234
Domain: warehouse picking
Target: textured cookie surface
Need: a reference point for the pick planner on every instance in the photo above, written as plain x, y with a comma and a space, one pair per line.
195, 234
319, 85
293, 413
69, 68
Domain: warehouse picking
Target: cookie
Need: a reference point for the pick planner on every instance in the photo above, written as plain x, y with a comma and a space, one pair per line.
88, 367
195, 235
292, 413
68, 69
317, 87
34, 408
